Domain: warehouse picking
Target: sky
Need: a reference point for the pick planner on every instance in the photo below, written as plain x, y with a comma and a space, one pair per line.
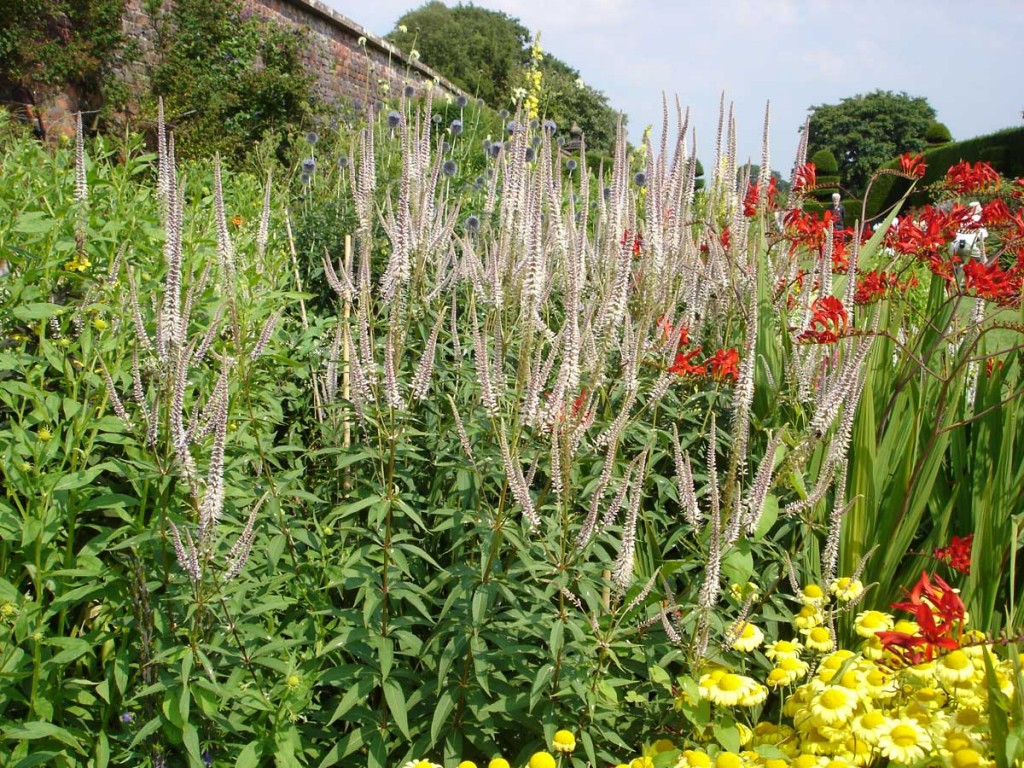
965, 58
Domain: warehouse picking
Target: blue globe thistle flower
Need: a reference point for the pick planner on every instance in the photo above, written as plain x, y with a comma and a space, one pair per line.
394, 119
607, 193
512, 127
308, 166
436, 118
549, 126
409, 91
449, 168
530, 154
535, 123
496, 148
446, 147
535, 141
472, 224
570, 165
480, 103
503, 114
343, 162
640, 179
312, 137
478, 182
487, 147
127, 718
455, 127
305, 179
461, 101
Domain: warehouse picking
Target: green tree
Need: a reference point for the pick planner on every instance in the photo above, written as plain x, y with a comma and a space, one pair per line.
477, 49
569, 101
868, 130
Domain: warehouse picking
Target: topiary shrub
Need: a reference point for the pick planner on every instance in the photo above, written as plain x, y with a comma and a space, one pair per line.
825, 163
937, 133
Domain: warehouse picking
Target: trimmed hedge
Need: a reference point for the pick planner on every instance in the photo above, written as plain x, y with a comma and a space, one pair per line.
937, 133
1004, 150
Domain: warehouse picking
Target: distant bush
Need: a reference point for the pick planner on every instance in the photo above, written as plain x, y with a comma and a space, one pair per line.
825, 162
937, 133
226, 79
1003, 150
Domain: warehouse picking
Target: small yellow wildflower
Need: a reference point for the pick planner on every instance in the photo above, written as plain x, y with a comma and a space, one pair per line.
563, 741
833, 706
905, 741
819, 639
782, 649
870, 623
641, 762
813, 594
727, 689
749, 638
99, 324
293, 681
44, 434
846, 589
809, 616
955, 667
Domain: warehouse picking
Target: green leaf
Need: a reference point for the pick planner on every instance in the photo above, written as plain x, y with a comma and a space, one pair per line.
540, 681
249, 757
445, 705
397, 705
80, 479
102, 751
190, 737
39, 730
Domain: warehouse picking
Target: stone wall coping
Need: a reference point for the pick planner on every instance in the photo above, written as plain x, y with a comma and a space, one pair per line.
317, 8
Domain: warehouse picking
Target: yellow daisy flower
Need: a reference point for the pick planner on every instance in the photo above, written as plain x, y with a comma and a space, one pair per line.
563, 741
756, 695
749, 638
727, 689
870, 623
641, 762
819, 639
694, 758
833, 706
809, 616
728, 760
905, 741
955, 667
846, 589
781, 649
870, 725
812, 594
969, 758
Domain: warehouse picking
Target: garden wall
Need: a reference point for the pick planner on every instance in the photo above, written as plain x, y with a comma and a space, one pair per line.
346, 71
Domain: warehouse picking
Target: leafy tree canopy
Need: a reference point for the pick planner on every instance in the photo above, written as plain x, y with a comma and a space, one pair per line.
477, 49
487, 54
868, 130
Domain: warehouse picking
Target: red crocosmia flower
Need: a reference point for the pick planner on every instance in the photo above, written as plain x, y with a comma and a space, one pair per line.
683, 365
939, 614
958, 552
874, 285
965, 178
753, 196
991, 365
725, 364
995, 213
667, 329
725, 238
805, 177
992, 282
828, 323
638, 244
912, 165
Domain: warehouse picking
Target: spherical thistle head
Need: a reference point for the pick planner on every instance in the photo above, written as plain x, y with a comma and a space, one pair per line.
312, 137
570, 165
449, 168
640, 179
496, 148
394, 119
531, 154
306, 178
456, 127
512, 127
308, 166
480, 103
479, 182
534, 124
472, 224
535, 141
409, 91
461, 101
549, 126
343, 162
436, 119
446, 147
561, 141
607, 193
